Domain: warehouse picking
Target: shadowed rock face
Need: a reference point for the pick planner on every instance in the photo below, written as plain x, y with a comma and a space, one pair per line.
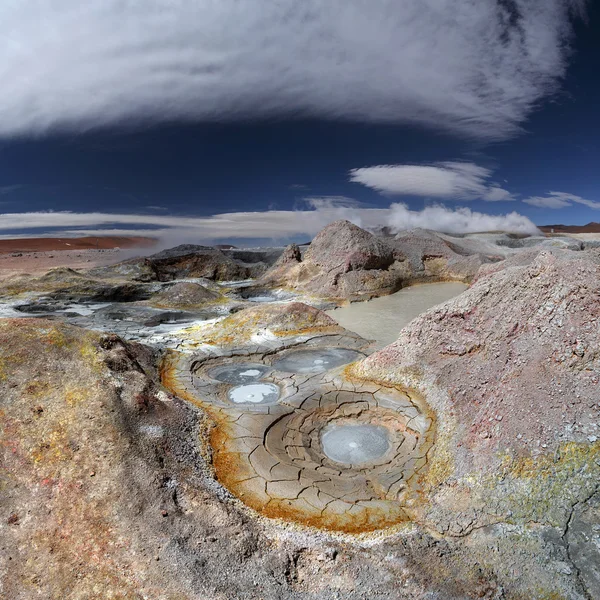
191, 261
196, 261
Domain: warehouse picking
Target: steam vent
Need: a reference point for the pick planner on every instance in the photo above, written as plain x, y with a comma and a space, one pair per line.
293, 439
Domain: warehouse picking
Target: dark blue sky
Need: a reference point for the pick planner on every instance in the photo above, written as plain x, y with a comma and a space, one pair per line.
264, 163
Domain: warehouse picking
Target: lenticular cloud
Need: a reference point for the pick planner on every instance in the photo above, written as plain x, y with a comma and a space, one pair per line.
474, 67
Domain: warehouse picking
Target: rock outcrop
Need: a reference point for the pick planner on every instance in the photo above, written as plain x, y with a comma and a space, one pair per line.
67, 285
191, 261
346, 262
262, 326
188, 261
511, 369
431, 256
185, 295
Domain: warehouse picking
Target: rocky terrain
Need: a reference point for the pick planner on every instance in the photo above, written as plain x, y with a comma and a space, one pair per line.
251, 448
345, 262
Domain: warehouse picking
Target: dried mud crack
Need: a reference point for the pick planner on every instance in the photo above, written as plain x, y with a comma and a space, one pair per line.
268, 448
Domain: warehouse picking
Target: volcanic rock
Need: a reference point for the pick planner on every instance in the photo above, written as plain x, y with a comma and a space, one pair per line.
63, 284
266, 326
347, 262
434, 257
184, 295
191, 261
510, 369
106, 492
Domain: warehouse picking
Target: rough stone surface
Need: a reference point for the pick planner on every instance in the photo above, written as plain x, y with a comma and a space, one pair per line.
196, 261
65, 284
433, 257
511, 370
104, 493
190, 261
185, 295
263, 326
347, 262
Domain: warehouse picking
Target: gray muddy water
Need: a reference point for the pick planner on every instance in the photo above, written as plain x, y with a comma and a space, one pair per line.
382, 319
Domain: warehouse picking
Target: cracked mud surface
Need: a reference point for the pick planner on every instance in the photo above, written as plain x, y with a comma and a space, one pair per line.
270, 454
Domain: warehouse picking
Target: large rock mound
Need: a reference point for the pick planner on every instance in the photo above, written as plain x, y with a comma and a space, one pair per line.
511, 369
195, 261
185, 295
347, 262
192, 261
432, 256
268, 325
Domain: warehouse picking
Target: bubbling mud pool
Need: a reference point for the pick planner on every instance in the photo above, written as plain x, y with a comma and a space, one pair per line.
354, 444
296, 440
255, 393
382, 319
315, 361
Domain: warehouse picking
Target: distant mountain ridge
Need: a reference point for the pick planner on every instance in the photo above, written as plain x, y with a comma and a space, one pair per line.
45, 244
592, 227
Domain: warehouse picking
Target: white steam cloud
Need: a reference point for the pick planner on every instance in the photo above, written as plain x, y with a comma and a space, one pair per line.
458, 220
473, 67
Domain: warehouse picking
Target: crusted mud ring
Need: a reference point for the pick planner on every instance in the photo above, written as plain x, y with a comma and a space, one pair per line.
309, 447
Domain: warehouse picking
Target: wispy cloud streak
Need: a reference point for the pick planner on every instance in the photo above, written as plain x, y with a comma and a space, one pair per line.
473, 67
560, 200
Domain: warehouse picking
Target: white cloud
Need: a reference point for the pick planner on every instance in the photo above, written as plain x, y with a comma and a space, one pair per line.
274, 224
458, 220
560, 200
453, 180
474, 67
320, 202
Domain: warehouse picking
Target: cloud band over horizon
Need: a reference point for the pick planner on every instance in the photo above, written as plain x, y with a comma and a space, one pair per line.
274, 224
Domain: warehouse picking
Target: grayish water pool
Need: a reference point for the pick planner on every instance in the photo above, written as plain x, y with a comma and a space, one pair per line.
254, 393
318, 360
354, 444
238, 373
382, 319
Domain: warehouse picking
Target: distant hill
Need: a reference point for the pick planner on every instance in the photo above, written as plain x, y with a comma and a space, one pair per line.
81, 243
592, 227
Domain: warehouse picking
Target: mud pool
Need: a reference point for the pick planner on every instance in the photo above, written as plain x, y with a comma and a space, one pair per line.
354, 444
254, 393
382, 319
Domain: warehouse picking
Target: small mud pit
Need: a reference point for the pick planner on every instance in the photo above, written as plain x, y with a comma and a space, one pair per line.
254, 393
309, 447
354, 444
253, 294
239, 374
316, 361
